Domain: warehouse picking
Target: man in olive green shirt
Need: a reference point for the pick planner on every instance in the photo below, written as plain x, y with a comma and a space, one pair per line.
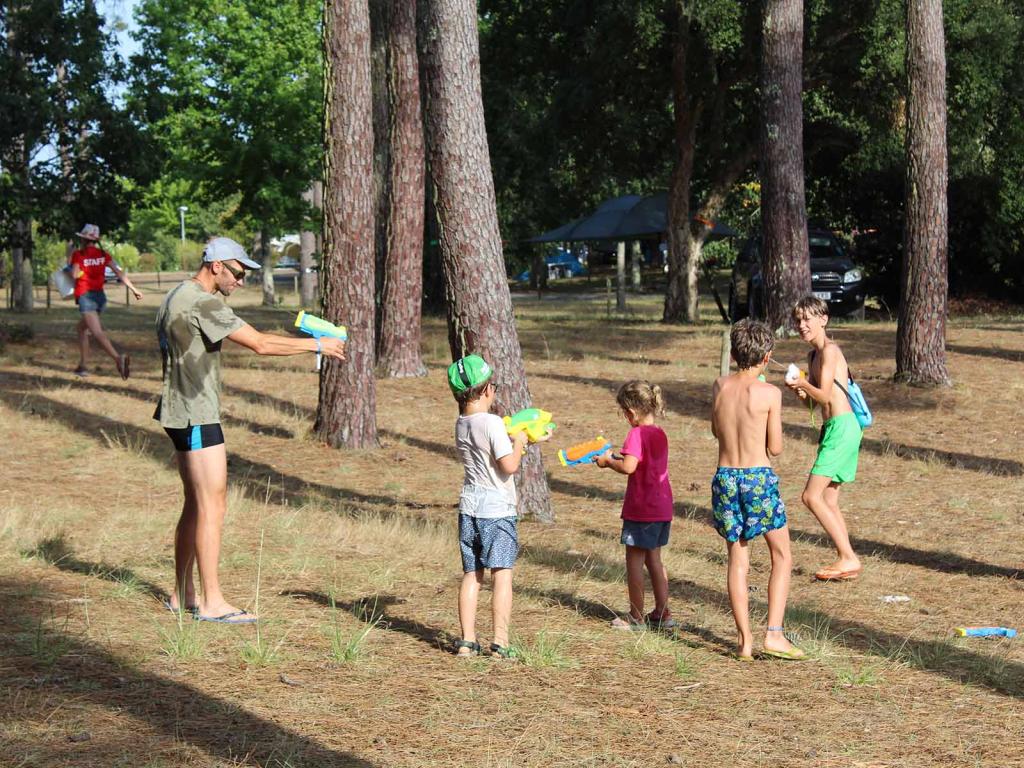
192, 323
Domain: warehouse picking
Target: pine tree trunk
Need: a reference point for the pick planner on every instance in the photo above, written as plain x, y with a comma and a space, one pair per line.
346, 415
620, 276
480, 318
21, 274
267, 273
681, 292
786, 264
401, 299
307, 249
635, 261
921, 333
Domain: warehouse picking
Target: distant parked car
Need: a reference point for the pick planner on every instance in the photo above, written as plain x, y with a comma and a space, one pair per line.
109, 275
286, 262
834, 278
561, 263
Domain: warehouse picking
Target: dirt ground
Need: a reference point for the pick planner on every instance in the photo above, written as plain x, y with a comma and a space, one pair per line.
351, 558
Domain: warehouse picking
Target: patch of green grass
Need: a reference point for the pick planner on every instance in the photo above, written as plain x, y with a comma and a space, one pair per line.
852, 677
48, 647
547, 650
683, 665
182, 640
348, 647
261, 652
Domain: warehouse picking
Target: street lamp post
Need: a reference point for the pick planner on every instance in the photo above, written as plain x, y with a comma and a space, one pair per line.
181, 213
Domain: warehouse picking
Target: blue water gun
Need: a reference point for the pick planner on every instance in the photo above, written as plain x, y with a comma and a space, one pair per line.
985, 632
317, 327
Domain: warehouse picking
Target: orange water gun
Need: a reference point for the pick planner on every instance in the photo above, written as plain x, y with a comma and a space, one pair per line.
583, 453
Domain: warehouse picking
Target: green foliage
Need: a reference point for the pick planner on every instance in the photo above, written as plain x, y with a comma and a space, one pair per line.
66, 146
232, 91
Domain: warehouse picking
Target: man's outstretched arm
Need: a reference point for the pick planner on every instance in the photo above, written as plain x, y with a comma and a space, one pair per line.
275, 345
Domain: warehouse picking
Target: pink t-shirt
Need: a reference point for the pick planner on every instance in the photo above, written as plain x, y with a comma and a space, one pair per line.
648, 490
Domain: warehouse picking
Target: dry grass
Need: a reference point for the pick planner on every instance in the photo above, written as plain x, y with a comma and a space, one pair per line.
358, 571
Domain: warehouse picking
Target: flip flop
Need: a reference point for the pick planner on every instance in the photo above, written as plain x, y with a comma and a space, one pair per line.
741, 657
227, 618
797, 654
831, 574
81, 372
192, 609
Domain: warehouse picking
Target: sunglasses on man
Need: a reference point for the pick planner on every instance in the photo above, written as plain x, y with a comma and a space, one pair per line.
238, 274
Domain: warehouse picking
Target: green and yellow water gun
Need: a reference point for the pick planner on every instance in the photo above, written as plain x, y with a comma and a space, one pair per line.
533, 421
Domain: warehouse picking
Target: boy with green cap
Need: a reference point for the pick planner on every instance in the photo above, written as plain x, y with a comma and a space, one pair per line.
487, 504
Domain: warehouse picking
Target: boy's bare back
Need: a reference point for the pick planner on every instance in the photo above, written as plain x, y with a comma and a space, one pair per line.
747, 420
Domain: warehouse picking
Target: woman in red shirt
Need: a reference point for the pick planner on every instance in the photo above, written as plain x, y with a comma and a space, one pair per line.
88, 266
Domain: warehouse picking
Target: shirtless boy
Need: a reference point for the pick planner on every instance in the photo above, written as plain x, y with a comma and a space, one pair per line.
839, 443
747, 420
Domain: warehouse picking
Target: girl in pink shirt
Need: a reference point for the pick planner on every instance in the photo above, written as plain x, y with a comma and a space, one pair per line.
647, 509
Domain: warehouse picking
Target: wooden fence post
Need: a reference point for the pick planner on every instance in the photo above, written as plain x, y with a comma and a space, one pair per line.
723, 368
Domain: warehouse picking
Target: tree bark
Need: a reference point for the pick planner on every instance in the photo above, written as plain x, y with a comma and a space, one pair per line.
620, 276
681, 291
786, 267
346, 414
399, 353
921, 331
21, 274
480, 318
267, 273
635, 263
307, 249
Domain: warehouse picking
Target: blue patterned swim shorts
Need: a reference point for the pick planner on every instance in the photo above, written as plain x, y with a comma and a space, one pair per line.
488, 542
745, 502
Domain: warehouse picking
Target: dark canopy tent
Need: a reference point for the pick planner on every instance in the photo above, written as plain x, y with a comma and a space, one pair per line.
629, 217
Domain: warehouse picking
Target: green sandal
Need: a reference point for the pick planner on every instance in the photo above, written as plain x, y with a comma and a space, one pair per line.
474, 648
501, 651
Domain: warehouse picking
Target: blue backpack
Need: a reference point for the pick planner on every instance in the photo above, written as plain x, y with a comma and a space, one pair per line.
858, 402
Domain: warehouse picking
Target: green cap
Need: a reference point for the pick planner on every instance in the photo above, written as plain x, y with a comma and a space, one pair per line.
469, 372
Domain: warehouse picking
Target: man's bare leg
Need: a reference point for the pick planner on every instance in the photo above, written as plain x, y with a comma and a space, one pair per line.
739, 566
184, 593
501, 604
778, 588
207, 474
821, 496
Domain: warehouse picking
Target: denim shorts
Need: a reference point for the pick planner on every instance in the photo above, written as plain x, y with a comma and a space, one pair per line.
645, 535
92, 301
488, 542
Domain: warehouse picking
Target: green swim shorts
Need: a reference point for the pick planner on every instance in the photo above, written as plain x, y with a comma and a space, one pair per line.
838, 448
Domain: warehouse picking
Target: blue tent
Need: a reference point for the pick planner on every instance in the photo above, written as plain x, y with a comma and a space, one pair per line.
629, 217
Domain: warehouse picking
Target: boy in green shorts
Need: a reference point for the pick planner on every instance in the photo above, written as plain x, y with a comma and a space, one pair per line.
839, 444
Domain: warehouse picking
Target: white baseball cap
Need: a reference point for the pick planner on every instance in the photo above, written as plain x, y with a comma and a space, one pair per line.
226, 249
90, 232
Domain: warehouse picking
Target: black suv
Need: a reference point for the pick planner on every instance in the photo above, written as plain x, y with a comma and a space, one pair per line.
834, 278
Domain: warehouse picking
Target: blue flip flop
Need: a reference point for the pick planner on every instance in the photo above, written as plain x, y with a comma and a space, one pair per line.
190, 609
227, 618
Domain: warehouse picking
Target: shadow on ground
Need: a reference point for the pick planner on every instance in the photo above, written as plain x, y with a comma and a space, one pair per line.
89, 675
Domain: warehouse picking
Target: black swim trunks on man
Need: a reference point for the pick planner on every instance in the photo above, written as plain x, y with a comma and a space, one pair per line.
195, 437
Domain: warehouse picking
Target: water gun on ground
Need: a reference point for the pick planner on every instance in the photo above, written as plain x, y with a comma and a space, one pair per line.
533, 421
985, 632
317, 327
583, 453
